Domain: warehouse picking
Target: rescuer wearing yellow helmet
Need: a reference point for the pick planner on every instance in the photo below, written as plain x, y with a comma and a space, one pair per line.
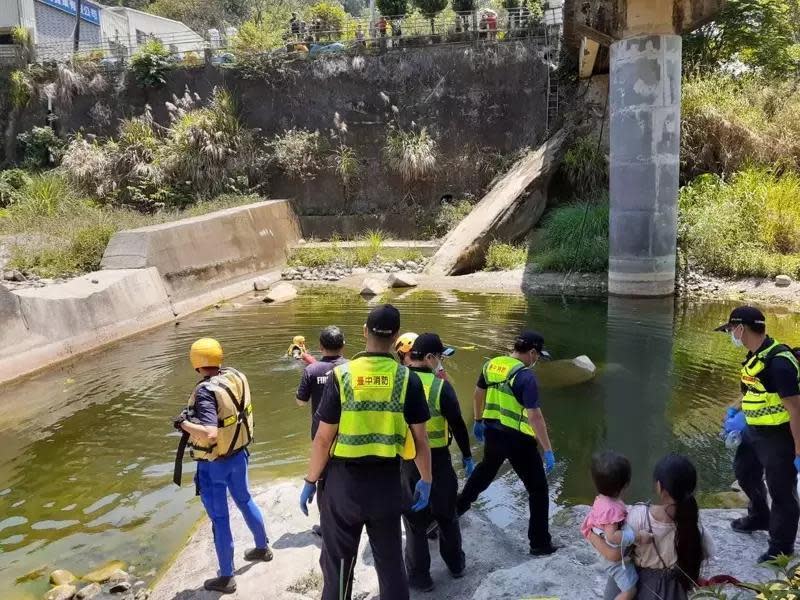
372, 414
403, 346
770, 431
218, 425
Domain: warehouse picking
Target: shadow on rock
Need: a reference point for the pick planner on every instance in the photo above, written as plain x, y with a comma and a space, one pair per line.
297, 540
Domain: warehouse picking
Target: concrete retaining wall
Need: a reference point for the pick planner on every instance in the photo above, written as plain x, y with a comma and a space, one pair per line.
149, 276
194, 255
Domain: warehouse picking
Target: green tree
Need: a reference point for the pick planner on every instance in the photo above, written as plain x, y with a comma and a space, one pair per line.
331, 16
762, 34
463, 6
200, 15
429, 9
392, 8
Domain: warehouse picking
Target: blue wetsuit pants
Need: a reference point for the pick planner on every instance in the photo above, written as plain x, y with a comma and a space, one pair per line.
215, 479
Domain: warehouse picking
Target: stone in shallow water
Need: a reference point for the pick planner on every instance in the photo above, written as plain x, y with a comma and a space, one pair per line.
261, 283
61, 577
402, 280
783, 281
104, 573
282, 292
90, 591
373, 287
60, 592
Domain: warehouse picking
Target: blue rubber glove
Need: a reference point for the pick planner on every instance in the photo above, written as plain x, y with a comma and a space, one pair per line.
549, 461
307, 496
797, 463
731, 412
422, 495
479, 430
469, 465
737, 422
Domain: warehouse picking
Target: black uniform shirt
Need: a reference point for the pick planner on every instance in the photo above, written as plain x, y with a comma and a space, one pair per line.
415, 408
451, 411
315, 376
780, 375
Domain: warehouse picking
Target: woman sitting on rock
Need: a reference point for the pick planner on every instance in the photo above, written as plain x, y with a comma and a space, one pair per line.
669, 567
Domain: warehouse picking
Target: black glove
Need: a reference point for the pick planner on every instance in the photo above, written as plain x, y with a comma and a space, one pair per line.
180, 419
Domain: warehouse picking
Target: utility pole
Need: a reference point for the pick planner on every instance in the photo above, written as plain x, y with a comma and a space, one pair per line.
372, 18
77, 39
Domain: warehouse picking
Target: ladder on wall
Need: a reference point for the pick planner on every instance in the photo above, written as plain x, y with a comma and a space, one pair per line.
552, 99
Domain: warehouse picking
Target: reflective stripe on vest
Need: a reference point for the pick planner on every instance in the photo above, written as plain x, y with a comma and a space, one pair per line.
234, 415
761, 407
372, 390
438, 433
501, 404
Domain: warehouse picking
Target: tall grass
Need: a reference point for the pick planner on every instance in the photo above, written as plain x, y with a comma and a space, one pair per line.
411, 154
503, 257
586, 167
574, 237
729, 122
747, 226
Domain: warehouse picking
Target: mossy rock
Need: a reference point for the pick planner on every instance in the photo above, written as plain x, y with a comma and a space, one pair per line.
104, 573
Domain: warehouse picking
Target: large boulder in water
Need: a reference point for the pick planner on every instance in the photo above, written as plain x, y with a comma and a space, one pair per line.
373, 286
104, 573
60, 592
61, 577
283, 292
566, 372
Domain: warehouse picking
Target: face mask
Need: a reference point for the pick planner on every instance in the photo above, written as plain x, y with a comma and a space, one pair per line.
439, 367
736, 341
533, 361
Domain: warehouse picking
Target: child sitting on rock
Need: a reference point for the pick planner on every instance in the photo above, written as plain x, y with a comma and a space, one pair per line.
611, 473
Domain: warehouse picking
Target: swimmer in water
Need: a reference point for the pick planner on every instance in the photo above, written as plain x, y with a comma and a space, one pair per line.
298, 351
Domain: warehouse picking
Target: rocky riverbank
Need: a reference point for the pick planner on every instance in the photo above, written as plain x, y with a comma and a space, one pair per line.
337, 271
498, 565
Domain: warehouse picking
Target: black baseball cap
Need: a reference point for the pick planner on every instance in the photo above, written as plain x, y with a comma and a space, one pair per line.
743, 315
530, 340
429, 343
383, 321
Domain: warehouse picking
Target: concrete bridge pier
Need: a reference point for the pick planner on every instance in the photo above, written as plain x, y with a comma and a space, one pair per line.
644, 103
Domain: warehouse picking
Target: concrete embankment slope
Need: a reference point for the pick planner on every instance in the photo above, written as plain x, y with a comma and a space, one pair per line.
498, 563
150, 276
508, 212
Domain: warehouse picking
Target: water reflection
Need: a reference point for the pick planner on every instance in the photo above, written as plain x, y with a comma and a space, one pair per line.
85, 472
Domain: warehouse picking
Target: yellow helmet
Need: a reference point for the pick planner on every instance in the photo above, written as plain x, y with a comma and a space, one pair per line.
404, 342
299, 340
206, 352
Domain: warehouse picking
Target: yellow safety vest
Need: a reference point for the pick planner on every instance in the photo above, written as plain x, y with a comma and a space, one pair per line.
372, 390
501, 404
438, 432
234, 415
761, 407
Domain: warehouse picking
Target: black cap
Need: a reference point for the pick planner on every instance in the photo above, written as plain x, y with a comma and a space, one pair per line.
429, 343
530, 340
383, 321
331, 338
744, 315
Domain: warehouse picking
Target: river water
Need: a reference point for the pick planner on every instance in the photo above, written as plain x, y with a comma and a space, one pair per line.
88, 447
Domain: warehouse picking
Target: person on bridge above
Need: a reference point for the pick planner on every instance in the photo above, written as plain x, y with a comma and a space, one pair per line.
219, 426
508, 418
372, 415
425, 359
770, 431
315, 376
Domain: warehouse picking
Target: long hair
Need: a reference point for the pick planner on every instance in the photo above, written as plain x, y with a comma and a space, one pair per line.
678, 478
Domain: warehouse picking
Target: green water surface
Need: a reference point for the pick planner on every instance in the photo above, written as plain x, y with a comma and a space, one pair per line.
88, 447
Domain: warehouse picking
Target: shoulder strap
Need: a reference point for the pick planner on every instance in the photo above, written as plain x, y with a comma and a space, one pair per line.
241, 416
650, 530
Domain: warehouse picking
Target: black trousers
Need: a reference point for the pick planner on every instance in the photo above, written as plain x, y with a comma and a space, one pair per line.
522, 452
353, 496
442, 510
770, 450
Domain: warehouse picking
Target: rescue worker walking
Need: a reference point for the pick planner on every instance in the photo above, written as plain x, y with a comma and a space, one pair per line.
219, 426
509, 419
770, 442
315, 376
372, 414
445, 424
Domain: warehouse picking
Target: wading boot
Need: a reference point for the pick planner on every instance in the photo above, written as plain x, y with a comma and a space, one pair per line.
224, 585
748, 525
256, 554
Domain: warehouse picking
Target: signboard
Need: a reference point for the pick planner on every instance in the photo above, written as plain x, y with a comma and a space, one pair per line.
89, 12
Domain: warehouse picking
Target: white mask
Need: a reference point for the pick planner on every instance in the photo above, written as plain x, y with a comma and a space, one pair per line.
736, 341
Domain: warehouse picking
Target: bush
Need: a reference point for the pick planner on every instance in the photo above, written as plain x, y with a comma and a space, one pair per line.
12, 181
392, 8
730, 122
150, 64
411, 154
45, 195
574, 237
298, 152
20, 89
748, 226
331, 15
41, 147
255, 38
346, 164
450, 215
586, 167
504, 257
